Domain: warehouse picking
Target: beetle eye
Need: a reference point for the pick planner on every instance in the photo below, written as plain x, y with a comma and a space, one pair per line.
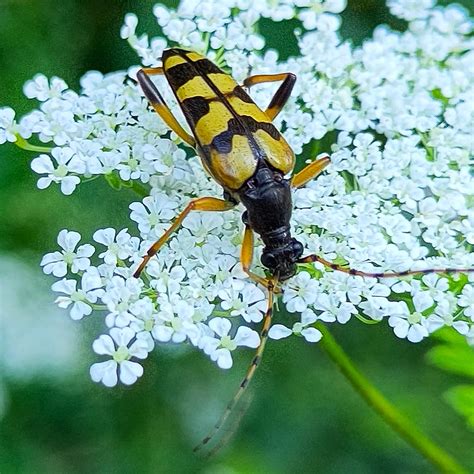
268, 260
297, 248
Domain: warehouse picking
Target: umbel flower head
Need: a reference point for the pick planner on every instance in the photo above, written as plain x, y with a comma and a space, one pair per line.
398, 194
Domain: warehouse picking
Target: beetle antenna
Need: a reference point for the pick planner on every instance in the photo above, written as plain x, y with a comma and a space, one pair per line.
351, 271
235, 425
267, 320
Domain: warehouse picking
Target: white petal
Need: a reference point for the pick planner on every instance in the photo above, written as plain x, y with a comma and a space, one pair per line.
247, 337
278, 331
68, 240
51, 258
162, 333
104, 236
91, 280
86, 250
401, 328
417, 333
68, 184
64, 286
129, 372
58, 269
43, 183
461, 327
122, 336
139, 349
221, 326
308, 317
105, 372
104, 345
422, 300
79, 310
42, 164
311, 334
223, 358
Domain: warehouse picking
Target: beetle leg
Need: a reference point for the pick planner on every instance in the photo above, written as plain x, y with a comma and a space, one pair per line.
281, 95
310, 172
267, 321
158, 103
246, 256
200, 204
351, 271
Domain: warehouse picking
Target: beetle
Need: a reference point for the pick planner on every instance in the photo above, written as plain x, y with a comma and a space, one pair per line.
244, 152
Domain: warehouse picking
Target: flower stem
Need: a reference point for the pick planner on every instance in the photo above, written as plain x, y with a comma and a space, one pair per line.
26, 145
388, 412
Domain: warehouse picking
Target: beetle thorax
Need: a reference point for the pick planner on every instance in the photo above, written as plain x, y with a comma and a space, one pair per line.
267, 197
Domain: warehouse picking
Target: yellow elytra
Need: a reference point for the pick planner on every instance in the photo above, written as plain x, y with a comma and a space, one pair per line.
232, 133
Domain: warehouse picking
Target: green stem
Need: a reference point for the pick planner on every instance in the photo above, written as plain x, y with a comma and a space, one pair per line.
25, 145
388, 412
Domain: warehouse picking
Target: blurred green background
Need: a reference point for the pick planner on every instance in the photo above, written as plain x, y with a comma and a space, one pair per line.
304, 416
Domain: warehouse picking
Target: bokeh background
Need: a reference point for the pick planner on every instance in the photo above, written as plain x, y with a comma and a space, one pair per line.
304, 417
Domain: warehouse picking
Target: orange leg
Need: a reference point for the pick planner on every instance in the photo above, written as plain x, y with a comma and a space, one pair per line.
281, 95
310, 172
252, 368
200, 204
158, 103
246, 256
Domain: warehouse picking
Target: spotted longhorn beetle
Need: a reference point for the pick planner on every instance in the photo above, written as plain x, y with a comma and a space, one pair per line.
244, 152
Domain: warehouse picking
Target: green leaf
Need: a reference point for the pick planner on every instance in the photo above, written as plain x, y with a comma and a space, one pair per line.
461, 398
456, 357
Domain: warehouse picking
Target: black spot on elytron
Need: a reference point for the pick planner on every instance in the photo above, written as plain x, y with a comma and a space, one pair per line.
180, 74
205, 67
241, 125
195, 108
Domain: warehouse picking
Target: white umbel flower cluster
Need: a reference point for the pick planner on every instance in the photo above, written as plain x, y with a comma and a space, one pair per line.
398, 194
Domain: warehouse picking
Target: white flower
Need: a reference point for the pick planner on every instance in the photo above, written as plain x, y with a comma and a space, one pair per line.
244, 299
155, 209
300, 292
8, 127
443, 316
67, 162
57, 263
333, 309
410, 9
118, 247
81, 299
311, 334
120, 294
118, 346
219, 348
397, 195
411, 325
466, 300
175, 322
42, 89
